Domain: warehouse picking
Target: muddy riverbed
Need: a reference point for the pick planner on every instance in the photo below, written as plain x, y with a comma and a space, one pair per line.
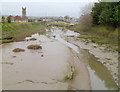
59, 65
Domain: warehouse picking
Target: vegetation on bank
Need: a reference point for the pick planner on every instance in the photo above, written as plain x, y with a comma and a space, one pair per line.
102, 25
100, 34
107, 13
60, 24
19, 30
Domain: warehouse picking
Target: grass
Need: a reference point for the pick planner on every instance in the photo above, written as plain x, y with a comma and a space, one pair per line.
60, 24
100, 34
19, 30
5, 41
68, 77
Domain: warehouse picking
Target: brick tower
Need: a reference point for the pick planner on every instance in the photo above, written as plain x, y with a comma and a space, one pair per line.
24, 14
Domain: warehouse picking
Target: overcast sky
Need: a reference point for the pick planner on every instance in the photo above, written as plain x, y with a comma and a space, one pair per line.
45, 7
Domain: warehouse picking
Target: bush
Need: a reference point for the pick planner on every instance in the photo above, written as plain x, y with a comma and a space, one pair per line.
85, 22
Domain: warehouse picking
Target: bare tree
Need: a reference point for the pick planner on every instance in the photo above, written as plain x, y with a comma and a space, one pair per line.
87, 9
85, 22
86, 18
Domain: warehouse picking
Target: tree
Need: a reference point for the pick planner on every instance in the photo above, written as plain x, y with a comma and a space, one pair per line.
87, 9
107, 13
96, 12
85, 22
66, 17
3, 19
9, 19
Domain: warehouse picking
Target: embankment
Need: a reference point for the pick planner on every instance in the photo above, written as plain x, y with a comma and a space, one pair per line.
17, 31
100, 34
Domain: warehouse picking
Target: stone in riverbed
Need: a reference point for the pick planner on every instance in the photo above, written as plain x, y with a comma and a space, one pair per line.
32, 39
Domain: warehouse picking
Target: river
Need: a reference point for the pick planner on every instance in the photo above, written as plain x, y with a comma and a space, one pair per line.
47, 69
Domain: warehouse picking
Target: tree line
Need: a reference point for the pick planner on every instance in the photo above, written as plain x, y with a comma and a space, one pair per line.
6, 20
106, 13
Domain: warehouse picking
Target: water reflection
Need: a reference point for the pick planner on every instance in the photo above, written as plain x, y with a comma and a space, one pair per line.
100, 76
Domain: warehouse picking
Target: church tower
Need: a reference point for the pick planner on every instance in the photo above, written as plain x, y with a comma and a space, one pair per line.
23, 12
24, 17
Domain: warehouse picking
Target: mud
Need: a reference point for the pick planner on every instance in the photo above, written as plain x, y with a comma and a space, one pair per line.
34, 47
30, 71
18, 50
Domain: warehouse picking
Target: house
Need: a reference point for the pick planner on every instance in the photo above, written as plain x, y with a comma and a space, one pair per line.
11, 18
25, 19
17, 19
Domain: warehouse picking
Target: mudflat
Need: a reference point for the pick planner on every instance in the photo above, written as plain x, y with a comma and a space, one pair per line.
42, 69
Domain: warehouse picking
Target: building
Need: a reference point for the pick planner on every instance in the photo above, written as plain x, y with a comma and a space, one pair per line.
24, 17
17, 19
12, 18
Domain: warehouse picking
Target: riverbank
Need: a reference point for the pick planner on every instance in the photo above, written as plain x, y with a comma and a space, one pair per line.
100, 34
108, 58
17, 31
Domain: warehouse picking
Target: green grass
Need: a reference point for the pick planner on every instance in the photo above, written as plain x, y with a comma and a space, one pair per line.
100, 34
59, 24
84, 37
68, 77
5, 41
19, 30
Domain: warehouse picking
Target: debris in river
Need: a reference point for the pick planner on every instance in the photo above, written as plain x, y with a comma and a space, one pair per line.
94, 45
108, 58
32, 39
18, 50
14, 56
7, 63
54, 36
70, 76
34, 47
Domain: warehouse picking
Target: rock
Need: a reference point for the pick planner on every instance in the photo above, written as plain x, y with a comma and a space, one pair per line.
7, 63
108, 58
32, 39
18, 50
34, 47
41, 55
14, 56
104, 62
94, 45
101, 48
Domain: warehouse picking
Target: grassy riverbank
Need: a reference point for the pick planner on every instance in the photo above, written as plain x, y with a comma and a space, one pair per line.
59, 24
19, 30
100, 34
